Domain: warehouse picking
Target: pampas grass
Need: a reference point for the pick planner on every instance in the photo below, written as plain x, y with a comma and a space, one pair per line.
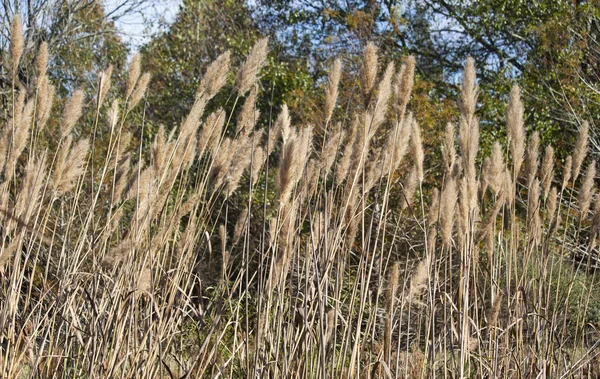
217, 249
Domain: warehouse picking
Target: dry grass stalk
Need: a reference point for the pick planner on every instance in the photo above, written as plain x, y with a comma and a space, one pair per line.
393, 277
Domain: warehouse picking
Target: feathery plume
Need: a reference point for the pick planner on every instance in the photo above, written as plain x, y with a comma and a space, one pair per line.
494, 173
133, 74
293, 161
369, 69
281, 128
258, 160
139, 91
17, 43
547, 170
41, 61
113, 115
210, 134
71, 113
447, 210
19, 139
105, 78
516, 134
417, 150
70, 167
239, 162
248, 73
215, 77
419, 280
532, 157
410, 186
45, 99
581, 148
404, 85
383, 96
249, 114
343, 166
468, 94
492, 316
567, 172
434, 207
330, 148
533, 214
508, 187
331, 92
239, 225
449, 151
30, 193
551, 203
397, 143
587, 190
596, 217
159, 150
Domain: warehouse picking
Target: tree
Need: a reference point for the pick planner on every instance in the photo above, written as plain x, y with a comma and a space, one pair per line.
202, 30
548, 47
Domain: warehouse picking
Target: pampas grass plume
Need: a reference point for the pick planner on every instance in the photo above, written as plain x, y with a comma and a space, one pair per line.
17, 43
41, 61
331, 92
516, 133
580, 151
248, 73
72, 113
133, 74
547, 170
369, 68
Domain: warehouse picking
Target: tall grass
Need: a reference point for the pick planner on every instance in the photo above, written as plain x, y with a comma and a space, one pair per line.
296, 251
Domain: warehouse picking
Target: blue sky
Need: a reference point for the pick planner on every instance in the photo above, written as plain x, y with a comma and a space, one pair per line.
138, 25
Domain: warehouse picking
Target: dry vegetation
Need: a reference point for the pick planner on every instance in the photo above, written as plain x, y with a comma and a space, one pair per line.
339, 262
